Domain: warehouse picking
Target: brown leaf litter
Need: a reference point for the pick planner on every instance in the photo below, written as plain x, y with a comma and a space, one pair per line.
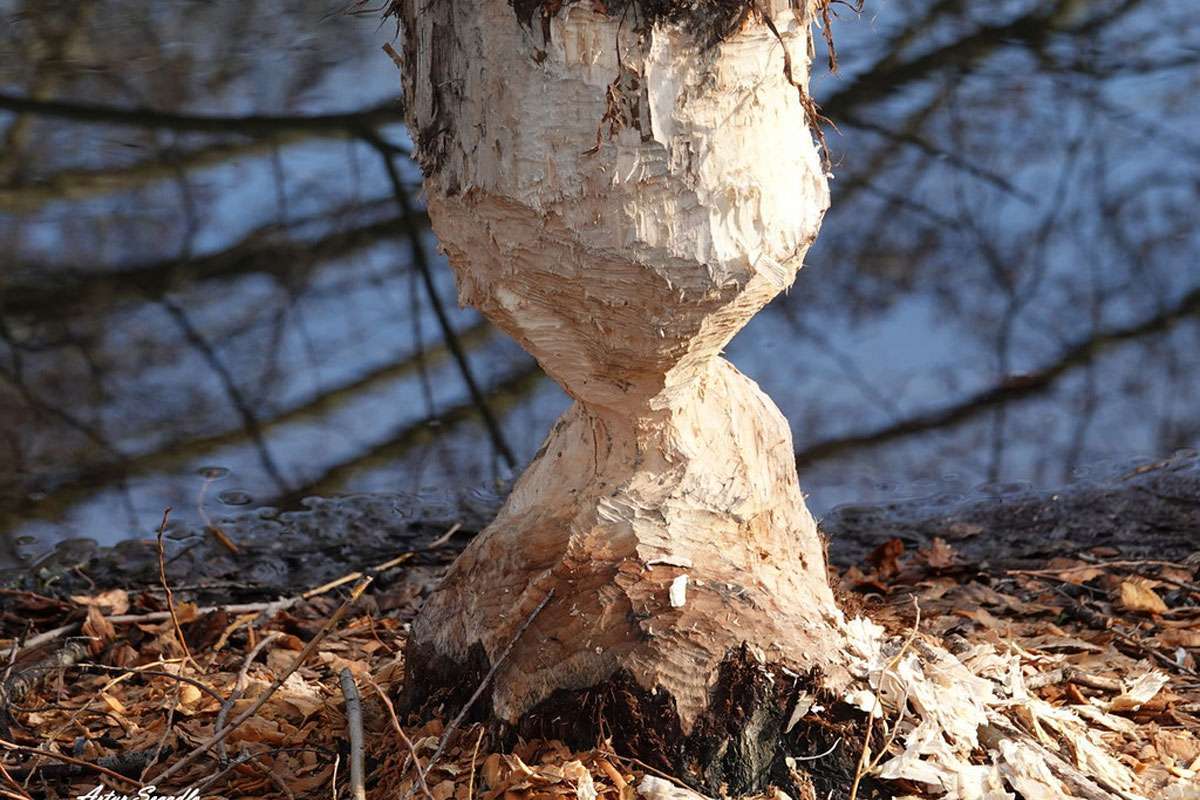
1095, 659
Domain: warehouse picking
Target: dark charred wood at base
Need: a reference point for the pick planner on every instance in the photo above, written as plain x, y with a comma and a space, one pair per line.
739, 745
434, 682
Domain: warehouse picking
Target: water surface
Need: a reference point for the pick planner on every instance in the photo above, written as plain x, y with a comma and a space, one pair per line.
218, 316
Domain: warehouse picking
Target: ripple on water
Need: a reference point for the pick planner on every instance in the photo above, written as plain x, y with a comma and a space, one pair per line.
1003, 488
213, 473
235, 497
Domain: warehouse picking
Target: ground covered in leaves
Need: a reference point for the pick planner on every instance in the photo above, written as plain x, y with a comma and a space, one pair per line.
130, 687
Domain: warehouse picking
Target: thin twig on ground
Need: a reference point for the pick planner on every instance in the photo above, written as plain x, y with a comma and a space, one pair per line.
11, 781
265, 607
474, 757
129, 762
168, 726
280, 784
353, 576
354, 724
162, 578
643, 765
17, 685
213, 529
1139, 568
216, 776
35, 751
445, 537
156, 673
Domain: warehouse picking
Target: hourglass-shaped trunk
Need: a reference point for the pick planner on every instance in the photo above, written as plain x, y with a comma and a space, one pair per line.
622, 197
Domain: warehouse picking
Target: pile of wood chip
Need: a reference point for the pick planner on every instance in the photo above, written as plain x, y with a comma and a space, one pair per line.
1093, 655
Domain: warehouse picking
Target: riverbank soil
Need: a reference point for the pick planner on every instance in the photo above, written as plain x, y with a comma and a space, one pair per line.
241, 692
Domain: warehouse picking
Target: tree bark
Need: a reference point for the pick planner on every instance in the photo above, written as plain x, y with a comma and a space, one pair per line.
621, 198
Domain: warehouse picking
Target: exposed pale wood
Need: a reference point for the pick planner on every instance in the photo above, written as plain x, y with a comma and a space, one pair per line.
625, 271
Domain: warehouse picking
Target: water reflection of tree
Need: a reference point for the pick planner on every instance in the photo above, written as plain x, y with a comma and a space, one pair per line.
1027, 169
201, 231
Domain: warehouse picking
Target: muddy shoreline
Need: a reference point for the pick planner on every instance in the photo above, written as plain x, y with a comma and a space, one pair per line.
1146, 511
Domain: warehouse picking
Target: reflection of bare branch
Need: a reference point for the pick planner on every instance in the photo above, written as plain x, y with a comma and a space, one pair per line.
175, 453
505, 394
261, 251
56, 42
14, 376
940, 153
421, 259
897, 201
865, 173
83, 184
1124, 67
251, 125
1008, 272
1133, 119
1032, 27
249, 418
1083, 415
845, 362
1015, 388
414, 311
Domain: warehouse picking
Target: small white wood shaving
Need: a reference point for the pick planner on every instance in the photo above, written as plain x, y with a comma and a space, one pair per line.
678, 591
585, 787
864, 700
1139, 692
653, 788
803, 703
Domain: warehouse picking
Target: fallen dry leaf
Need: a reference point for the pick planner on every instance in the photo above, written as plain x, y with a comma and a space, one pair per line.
114, 601
1180, 637
186, 612
337, 664
99, 628
114, 704
885, 557
939, 554
1136, 596
1079, 575
577, 773
189, 694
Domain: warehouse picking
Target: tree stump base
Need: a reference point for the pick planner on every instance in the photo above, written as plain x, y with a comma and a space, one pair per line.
739, 745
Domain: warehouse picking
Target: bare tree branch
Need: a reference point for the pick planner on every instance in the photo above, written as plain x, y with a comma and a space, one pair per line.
883, 80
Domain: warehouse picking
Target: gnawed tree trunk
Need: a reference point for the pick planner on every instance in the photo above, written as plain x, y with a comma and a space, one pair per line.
621, 187
621, 198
